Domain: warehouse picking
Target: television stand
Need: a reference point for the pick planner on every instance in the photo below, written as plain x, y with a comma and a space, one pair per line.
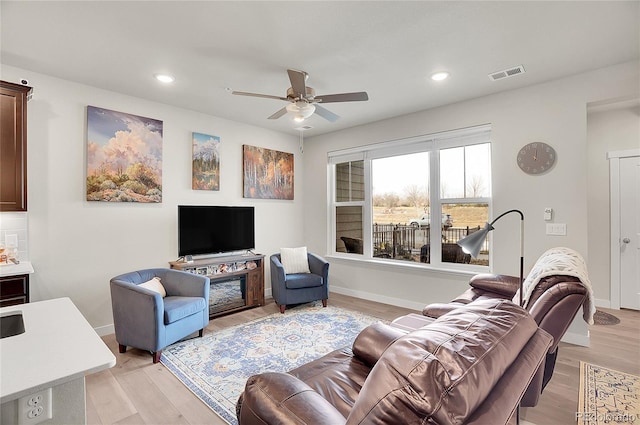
237, 281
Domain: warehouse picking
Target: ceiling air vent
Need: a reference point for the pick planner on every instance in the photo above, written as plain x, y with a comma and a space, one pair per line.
506, 73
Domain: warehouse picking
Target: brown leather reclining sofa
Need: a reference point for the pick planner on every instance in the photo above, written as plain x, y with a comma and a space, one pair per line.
554, 303
470, 366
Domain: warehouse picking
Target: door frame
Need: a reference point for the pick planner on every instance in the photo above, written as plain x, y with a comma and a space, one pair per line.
614, 205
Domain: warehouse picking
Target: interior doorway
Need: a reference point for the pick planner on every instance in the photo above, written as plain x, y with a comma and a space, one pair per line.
624, 169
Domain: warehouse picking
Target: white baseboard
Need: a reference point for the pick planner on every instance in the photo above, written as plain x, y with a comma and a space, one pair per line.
105, 330
599, 302
576, 339
378, 298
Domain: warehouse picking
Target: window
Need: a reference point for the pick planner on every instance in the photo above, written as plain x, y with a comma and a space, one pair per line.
385, 195
464, 194
349, 201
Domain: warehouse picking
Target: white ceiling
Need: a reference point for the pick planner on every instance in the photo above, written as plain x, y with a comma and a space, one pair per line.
387, 48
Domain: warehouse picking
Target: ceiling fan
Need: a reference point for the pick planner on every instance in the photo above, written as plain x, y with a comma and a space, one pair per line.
303, 101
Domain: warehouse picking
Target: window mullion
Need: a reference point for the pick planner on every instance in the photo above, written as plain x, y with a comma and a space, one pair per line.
367, 211
351, 181
464, 173
435, 208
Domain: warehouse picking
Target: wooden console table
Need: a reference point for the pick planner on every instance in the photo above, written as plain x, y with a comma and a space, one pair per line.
246, 270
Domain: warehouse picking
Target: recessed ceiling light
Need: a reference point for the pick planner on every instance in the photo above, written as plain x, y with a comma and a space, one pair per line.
165, 78
439, 76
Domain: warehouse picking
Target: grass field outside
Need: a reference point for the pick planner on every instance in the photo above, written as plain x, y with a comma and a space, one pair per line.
462, 215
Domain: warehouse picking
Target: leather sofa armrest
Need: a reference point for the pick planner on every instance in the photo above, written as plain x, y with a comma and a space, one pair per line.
500, 405
496, 283
373, 341
280, 398
438, 309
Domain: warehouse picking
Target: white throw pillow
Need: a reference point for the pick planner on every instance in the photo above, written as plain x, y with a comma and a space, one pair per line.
155, 286
294, 260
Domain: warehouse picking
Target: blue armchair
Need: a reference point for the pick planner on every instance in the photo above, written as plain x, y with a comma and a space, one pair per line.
297, 288
146, 320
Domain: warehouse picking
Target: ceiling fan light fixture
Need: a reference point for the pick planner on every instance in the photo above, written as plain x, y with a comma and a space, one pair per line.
302, 99
439, 76
165, 78
300, 110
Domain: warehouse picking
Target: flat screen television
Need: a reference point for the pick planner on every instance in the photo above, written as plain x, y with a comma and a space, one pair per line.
205, 229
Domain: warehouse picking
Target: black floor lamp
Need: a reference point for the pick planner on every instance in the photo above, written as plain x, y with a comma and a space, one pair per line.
472, 243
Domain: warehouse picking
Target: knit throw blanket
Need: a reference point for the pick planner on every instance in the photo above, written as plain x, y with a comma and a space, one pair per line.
560, 261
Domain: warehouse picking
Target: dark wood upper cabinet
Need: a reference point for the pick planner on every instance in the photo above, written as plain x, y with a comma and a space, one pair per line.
13, 146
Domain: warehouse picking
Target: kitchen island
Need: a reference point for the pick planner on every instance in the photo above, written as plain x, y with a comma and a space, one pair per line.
57, 349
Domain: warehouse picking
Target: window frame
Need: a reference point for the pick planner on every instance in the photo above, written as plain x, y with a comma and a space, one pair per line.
431, 143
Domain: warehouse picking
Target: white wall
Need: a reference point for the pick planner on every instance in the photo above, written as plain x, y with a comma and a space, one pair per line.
610, 127
77, 246
554, 112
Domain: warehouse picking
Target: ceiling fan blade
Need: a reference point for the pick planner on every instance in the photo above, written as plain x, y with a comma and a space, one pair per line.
278, 114
298, 83
343, 97
266, 96
326, 114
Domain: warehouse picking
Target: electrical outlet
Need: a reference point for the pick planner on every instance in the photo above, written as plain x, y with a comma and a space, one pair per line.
35, 408
11, 240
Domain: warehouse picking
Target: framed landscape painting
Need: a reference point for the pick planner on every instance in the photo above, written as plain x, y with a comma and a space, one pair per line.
268, 174
206, 162
124, 157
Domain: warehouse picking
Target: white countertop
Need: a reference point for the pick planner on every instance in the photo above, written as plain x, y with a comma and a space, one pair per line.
11, 269
58, 346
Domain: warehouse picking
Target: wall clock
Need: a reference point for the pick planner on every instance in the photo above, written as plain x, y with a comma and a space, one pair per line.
536, 158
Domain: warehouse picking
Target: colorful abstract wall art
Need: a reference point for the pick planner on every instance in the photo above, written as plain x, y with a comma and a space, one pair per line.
268, 174
206, 162
124, 157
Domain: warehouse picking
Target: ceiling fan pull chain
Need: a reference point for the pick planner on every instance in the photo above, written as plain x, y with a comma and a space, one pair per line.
301, 141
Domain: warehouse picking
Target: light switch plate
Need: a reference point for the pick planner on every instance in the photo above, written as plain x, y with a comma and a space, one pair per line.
557, 229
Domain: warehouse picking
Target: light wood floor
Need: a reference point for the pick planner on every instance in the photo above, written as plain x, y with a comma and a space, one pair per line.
136, 391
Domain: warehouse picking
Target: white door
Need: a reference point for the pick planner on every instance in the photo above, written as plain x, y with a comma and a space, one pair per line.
630, 233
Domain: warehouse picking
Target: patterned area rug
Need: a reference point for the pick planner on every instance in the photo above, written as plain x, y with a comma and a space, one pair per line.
607, 396
602, 318
217, 366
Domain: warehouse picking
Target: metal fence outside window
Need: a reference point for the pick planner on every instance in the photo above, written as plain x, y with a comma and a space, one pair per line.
405, 241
